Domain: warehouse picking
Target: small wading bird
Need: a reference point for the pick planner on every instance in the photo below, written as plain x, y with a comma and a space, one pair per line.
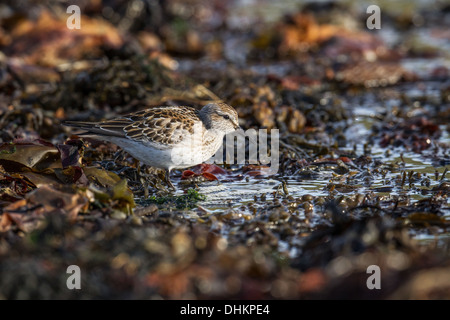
174, 137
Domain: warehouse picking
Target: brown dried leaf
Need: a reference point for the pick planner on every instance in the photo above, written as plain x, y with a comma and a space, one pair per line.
304, 32
102, 177
41, 179
34, 156
5, 222
51, 199
48, 41
25, 215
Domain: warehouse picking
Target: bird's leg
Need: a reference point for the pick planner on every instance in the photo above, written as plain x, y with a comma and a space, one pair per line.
169, 183
144, 177
137, 163
118, 154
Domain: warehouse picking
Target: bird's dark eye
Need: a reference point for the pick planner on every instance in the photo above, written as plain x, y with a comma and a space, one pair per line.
226, 116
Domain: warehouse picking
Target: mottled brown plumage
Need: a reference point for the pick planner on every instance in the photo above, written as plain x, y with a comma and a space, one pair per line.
167, 137
162, 125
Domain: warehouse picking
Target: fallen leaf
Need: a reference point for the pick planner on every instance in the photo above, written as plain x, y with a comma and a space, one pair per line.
102, 177
47, 41
209, 168
40, 179
187, 174
26, 216
8, 195
71, 175
6, 222
122, 193
256, 170
207, 171
69, 155
209, 176
303, 32
69, 203
14, 157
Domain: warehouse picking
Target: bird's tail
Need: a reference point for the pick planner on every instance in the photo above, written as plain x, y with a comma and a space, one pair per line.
79, 124
93, 129
88, 127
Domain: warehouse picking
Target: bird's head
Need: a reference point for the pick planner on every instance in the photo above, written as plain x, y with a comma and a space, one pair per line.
220, 116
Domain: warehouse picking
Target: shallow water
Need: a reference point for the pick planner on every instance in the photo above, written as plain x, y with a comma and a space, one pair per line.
364, 110
237, 195
238, 192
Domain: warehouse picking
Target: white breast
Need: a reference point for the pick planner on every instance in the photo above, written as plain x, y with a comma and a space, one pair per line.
194, 149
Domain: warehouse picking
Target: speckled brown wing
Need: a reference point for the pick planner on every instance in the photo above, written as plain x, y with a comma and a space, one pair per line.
162, 125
